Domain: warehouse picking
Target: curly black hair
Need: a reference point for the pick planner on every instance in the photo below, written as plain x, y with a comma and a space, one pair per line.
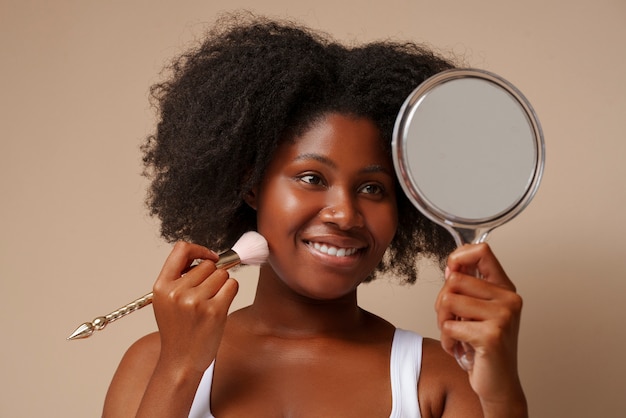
252, 83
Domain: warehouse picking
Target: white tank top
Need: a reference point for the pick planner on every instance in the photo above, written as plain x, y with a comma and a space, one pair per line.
405, 365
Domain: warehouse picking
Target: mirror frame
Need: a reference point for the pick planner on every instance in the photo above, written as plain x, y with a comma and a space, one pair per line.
472, 230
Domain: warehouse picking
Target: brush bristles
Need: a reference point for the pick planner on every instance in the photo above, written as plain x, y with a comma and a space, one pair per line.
252, 249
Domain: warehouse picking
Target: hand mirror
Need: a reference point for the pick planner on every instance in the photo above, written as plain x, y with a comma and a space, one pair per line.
469, 153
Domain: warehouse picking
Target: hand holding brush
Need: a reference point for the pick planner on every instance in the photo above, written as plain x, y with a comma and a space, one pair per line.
250, 249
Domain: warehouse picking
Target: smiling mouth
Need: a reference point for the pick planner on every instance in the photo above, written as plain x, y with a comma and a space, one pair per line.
332, 250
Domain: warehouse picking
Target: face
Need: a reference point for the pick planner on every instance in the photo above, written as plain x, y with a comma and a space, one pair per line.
327, 207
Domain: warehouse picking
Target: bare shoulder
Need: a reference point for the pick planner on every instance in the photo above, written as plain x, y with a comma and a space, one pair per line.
132, 376
443, 387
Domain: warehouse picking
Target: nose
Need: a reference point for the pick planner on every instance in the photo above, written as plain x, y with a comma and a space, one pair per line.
342, 210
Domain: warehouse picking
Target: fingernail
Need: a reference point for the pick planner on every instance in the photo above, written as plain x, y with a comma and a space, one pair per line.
446, 274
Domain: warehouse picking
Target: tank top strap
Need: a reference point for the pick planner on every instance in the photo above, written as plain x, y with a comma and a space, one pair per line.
405, 366
201, 406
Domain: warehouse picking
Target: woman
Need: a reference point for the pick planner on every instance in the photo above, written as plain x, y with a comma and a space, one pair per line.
268, 126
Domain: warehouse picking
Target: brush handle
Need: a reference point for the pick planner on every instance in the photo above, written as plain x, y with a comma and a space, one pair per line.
139, 303
226, 260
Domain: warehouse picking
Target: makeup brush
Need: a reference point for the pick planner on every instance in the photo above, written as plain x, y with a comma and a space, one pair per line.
251, 249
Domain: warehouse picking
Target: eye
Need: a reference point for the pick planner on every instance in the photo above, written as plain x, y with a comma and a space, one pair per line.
312, 179
372, 189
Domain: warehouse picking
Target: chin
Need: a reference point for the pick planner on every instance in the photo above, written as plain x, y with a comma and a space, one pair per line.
326, 292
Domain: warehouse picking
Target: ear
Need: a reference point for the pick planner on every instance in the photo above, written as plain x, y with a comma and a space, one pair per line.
250, 197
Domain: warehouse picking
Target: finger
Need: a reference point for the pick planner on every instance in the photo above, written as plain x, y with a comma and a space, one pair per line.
455, 306
457, 283
470, 298
211, 285
471, 257
464, 331
226, 293
470, 286
197, 275
181, 256
481, 335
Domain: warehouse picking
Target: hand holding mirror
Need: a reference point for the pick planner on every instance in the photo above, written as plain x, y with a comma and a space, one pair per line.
469, 153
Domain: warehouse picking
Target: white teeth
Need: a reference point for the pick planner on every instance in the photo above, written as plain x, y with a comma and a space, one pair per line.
330, 250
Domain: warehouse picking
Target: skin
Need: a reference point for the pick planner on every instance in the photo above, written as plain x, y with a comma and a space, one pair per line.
304, 347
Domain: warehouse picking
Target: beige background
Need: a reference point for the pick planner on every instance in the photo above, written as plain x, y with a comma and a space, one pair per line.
76, 241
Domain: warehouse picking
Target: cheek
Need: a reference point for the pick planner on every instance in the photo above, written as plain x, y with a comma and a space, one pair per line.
281, 209
392, 226
384, 222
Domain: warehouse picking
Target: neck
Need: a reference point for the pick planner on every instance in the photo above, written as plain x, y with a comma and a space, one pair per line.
278, 310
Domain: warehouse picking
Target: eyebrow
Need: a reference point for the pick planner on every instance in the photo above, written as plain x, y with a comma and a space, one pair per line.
317, 157
374, 168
